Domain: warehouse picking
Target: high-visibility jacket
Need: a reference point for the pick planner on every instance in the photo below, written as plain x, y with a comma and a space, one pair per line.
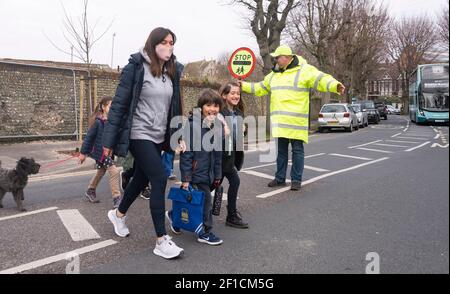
289, 96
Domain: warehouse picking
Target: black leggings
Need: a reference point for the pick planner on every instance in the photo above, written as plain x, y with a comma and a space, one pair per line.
148, 167
235, 181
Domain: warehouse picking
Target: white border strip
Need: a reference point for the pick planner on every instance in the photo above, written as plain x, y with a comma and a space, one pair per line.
375, 150
28, 213
261, 175
273, 163
413, 138
60, 176
59, 257
365, 144
391, 145
350, 156
407, 142
417, 147
77, 225
396, 135
272, 193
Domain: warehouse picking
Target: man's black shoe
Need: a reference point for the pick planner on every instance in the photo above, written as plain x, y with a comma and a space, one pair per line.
275, 183
295, 186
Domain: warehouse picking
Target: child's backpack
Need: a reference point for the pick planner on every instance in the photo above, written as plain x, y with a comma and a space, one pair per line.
187, 208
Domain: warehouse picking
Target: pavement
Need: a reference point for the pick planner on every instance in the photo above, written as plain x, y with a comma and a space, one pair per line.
55, 157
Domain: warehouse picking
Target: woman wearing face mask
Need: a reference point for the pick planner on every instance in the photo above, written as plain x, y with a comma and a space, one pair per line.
146, 99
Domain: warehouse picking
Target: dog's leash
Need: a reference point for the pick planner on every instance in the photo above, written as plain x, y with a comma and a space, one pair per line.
59, 161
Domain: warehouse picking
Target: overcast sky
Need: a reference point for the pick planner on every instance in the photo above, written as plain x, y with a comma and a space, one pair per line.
204, 28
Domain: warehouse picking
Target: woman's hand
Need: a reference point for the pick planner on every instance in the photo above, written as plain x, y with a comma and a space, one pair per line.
81, 158
182, 146
107, 151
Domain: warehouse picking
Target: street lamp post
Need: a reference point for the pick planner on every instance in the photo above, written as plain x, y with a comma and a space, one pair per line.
112, 49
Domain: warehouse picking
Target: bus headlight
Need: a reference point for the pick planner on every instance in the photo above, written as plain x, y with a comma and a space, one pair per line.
421, 113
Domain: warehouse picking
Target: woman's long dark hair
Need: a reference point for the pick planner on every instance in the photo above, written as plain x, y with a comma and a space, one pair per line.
157, 36
225, 90
99, 108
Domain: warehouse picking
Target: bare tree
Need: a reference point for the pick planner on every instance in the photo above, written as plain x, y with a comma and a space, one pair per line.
346, 38
267, 21
314, 27
443, 23
80, 35
410, 40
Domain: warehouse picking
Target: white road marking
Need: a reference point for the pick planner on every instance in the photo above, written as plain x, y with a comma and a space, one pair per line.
317, 169
55, 258
60, 176
77, 226
273, 163
315, 155
439, 145
375, 150
391, 145
398, 141
414, 148
315, 179
261, 175
365, 144
421, 135
396, 135
413, 138
350, 156
28, 213
437, 136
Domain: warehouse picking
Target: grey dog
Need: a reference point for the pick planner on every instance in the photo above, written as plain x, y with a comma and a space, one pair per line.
15, 180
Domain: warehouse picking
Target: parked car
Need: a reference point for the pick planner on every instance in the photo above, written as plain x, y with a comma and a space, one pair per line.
337, 115
382, 109
392, 110
372, 113
363, 119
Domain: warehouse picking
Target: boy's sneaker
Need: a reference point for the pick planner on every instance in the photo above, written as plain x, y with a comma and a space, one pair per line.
91, 196
120, 228
146, 193
275, 183
116, 201
174, 230
209, 238
167, 248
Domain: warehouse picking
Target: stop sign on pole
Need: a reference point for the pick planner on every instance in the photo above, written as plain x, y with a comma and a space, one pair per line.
242, 63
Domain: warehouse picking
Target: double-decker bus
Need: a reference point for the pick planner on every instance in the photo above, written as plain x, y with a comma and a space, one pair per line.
428, 94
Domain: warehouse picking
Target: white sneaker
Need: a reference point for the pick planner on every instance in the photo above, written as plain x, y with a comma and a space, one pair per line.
167, 249
119, 224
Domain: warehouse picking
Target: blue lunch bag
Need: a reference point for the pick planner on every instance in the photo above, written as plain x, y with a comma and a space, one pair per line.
187, 208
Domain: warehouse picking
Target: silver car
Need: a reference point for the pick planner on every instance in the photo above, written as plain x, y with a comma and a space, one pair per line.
363, 119
337, 115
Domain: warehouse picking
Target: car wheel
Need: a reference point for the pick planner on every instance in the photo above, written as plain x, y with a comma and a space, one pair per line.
350, 129
320, 130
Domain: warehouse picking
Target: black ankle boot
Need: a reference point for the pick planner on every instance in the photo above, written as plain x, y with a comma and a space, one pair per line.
234, 219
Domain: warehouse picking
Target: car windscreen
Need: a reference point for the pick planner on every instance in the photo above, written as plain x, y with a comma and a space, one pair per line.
368, 105
333, 108
356, 107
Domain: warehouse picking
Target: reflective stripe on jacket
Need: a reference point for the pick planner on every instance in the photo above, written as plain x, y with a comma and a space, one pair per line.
289, 96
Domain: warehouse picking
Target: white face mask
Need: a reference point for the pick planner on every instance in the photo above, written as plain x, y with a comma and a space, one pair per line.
163, 52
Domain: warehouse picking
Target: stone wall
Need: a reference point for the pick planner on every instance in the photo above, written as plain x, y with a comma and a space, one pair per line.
37, 102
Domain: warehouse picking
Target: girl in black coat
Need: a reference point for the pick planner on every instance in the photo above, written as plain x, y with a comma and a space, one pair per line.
233, 155
93, 147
